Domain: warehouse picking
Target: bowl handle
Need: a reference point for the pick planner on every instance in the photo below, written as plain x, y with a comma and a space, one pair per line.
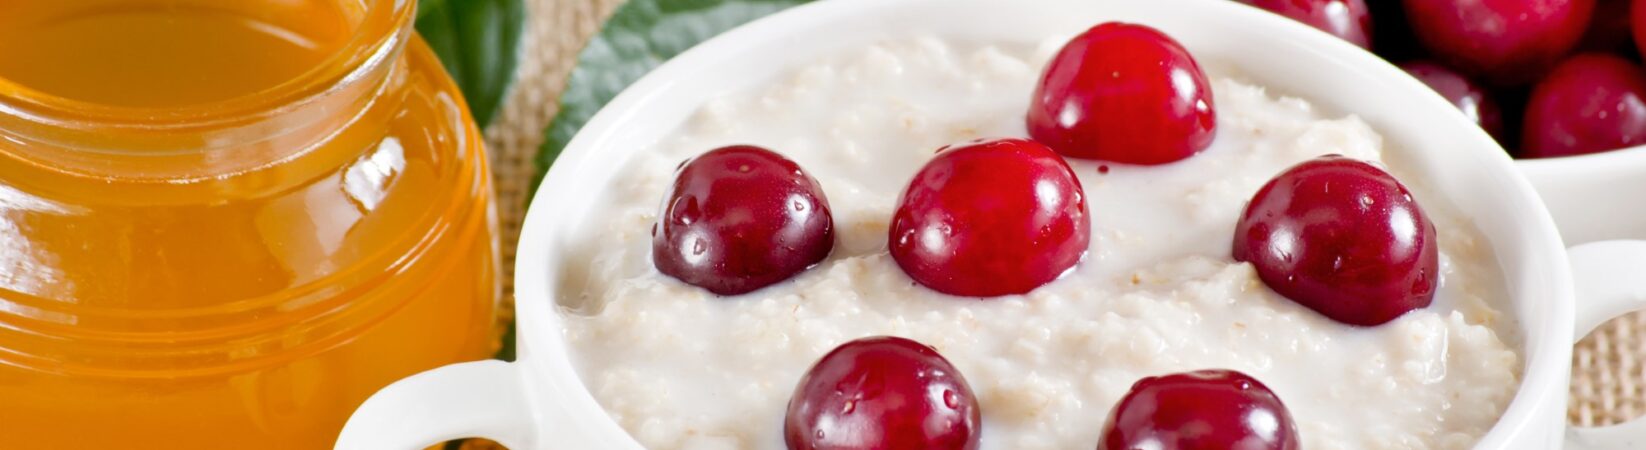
1589, 195
475, 399
1610, 279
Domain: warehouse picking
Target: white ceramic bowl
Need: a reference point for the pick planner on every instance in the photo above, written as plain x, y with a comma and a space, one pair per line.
539, 402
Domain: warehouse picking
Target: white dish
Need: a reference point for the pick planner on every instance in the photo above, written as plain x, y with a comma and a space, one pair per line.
1158, 292
540, 402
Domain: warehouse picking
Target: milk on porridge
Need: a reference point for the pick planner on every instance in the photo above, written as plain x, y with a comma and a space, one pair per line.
1158, 292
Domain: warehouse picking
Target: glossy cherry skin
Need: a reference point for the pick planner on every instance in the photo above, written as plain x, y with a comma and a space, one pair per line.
1502, 41
741, 218
1343, 238
1347, 19
990, 218
1124, 93
1468, 96
883, 393
1590, 103
1202, 410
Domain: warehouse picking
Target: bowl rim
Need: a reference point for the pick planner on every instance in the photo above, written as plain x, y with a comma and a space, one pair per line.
1544, 363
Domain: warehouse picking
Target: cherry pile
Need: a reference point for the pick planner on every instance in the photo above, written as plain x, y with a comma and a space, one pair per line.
1547, 78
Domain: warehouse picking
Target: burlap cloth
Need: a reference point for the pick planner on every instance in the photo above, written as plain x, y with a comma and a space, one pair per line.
1608, 381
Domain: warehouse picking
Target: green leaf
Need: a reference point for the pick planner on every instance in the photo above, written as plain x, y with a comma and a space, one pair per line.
639, 37
424, 6
479, 43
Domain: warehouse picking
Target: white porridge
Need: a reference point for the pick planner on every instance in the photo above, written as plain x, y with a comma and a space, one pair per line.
680, 368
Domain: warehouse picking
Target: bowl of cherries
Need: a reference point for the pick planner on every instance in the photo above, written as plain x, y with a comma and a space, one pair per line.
1558, 83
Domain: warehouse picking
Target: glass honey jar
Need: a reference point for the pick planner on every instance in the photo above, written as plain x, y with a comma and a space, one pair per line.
225, 223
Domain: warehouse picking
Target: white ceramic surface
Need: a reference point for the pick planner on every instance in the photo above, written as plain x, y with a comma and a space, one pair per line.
539, 402
1592, 197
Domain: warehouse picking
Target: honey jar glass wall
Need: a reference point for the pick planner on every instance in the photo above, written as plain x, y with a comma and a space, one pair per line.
225, 223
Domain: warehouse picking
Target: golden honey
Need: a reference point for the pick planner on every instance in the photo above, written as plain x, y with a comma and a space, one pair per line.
225, 223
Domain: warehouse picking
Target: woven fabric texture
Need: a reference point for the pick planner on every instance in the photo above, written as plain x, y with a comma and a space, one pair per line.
1608, 378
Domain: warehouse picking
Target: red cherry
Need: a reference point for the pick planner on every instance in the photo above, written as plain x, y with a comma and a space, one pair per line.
1347, 19
1343, 238
1469, 97
1203, 410
1124, 93
741, 218
1590, 103
1502, 41
991, 218
882, 393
